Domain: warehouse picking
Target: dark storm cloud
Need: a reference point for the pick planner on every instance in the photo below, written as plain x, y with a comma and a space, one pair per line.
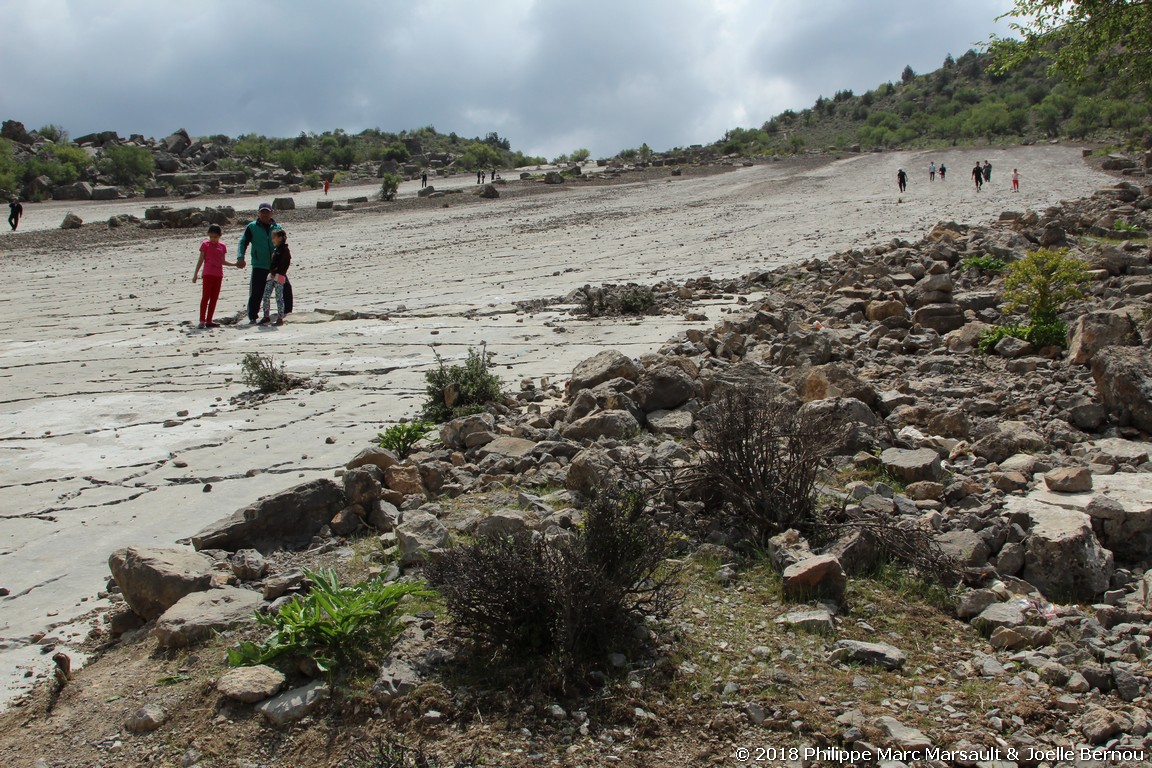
550, 75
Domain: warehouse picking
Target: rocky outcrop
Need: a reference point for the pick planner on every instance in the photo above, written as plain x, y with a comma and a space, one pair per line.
1063, 558
200, 615
1123, 379
285, 520
153, 580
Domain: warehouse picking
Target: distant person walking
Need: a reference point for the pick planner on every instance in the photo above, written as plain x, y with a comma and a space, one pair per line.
258, 235
931, 171
901, 179
213, 258
1015, 180
978, 176
277, 275
987, 171
15, 211
943, 171
423, 179
325, 187
477, 177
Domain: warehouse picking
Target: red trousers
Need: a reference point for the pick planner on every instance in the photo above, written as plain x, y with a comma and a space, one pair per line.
209, 296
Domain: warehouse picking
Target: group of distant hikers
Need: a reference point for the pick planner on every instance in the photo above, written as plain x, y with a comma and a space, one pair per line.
981, 175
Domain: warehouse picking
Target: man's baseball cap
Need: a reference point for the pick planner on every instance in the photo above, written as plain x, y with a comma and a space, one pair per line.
265, 207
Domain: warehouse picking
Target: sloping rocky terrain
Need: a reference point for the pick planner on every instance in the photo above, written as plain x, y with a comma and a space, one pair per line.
1030, 467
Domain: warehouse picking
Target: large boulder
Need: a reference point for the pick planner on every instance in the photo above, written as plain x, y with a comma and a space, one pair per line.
419, 536
834, 380
818, 576
285, 520
468, 431
614, 424
1010, 438
912, 466
81, 190
850, 422
374, 455
1062, 557
249, 685
153, 580
672, 423
869, 654
941, 318
1094, 331
589, 471
364, 485
599, 368
663, 389
198, 616
1123, 377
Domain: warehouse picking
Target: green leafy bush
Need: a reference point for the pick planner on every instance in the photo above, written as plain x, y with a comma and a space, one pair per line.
396, 151
261, 372
569, 600
389, 185
984, 263
1039, 335
127, 165
332, 624
1042, 282
402, 437
9, 171
460, 390
991, 337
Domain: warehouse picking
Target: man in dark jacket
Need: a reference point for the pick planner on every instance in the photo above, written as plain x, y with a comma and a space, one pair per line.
258, 234
15, 211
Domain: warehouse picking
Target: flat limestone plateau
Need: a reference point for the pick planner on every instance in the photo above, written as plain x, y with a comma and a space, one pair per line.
115, 413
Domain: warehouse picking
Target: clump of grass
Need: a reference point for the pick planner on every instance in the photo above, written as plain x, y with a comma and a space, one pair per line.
401, 438
985, 263
260, 371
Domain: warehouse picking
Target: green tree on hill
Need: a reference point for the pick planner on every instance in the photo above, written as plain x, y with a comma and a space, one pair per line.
1081, 38
127, 165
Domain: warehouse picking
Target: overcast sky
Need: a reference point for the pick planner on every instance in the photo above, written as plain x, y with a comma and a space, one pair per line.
549, 75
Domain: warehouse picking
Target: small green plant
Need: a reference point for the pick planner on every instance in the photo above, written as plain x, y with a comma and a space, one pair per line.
460, 390
1039, 285
260, 371
1122, 225
1042, 282
991, 337
402, 437
332, 624
389, 185
992, 264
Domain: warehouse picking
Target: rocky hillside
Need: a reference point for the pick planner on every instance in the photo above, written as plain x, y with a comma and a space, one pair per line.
1025, 467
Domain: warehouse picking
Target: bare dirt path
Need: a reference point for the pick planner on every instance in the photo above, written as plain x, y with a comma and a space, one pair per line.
115, 414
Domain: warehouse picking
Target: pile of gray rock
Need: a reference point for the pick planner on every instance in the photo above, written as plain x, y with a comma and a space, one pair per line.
1030, 467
